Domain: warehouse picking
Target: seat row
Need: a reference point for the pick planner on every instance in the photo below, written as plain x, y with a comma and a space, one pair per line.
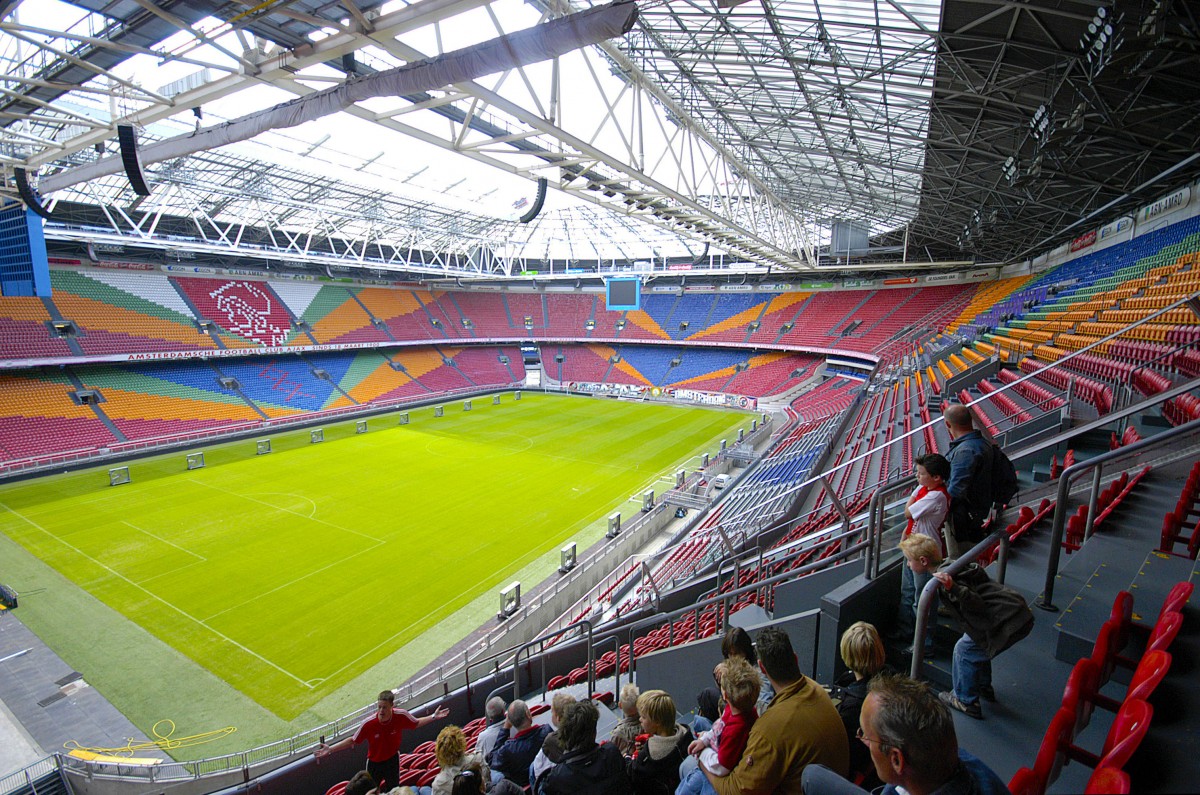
1082, 695
1186, 514
1106, 502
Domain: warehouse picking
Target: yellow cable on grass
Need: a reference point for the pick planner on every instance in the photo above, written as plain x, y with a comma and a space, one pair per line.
164, 740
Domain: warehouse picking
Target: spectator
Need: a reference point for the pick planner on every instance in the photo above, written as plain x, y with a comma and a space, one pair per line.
551, 753
654, 768
929, 503
382, 733
735, 643
512, 758
970, 484
630, 725
360, 784
586, 768
452, 757
800, 727
863, 653
910, 736
720, 749
922, 556
472, 780
994, 617
490, 737
468, 782
363, 784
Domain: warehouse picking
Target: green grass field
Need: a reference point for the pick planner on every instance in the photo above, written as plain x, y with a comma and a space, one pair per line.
290, 576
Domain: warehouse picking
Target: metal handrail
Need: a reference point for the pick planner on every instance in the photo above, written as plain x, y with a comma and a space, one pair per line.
659, 618
1046, 601
591, 671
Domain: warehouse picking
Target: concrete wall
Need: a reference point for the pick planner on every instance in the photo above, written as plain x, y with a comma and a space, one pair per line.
874, 601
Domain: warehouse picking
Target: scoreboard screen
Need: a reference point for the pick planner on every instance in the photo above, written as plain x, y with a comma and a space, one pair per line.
623, 295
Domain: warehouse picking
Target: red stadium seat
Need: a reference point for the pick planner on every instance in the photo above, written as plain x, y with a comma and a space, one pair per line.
1025, 782
1126, 734
1052, 754
1107, 781
1079, 695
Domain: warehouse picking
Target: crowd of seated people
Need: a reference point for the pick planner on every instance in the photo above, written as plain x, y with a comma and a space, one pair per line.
884, 728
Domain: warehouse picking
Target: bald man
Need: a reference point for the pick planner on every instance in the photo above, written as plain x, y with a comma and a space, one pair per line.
970, 483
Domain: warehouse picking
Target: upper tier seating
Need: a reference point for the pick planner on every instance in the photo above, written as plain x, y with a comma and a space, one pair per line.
164, 400
128, 312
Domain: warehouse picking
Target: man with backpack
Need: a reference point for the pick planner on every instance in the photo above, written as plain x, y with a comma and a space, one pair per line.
980, 476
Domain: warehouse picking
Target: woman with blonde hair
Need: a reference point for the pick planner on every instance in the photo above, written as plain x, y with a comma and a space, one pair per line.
452, 757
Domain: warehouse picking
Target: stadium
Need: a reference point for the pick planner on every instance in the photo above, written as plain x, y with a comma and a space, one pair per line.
473, 349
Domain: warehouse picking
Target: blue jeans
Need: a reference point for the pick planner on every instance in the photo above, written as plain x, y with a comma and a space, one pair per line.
972, 670
820, 780
694, 782
911, 585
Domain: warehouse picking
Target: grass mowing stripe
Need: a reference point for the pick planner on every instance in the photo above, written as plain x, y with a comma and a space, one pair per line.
329, 558
153, 595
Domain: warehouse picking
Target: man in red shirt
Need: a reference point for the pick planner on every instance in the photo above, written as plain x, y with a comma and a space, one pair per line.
382, 733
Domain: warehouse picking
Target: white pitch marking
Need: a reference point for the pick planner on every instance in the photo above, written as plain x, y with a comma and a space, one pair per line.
156, 597
165, 541
285, 510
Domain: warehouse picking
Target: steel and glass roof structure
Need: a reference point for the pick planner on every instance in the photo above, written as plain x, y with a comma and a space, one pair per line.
727, 136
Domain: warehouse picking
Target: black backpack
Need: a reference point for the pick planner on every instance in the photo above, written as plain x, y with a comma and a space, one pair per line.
1004, 478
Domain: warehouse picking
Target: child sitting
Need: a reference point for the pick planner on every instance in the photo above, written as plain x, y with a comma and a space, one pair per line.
630, 725
654, 768
721, 748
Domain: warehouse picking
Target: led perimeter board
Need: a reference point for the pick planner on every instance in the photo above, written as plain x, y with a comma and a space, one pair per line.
623, 295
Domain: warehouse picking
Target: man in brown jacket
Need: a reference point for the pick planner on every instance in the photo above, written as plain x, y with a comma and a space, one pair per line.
800, 727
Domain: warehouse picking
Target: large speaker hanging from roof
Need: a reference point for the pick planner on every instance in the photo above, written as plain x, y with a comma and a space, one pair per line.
25, 191
131, 161
537, 202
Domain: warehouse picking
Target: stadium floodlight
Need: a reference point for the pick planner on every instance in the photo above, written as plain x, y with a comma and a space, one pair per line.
517, 396
1101, 40
262, 447
614, 525
360, 426
466, 405
510, 600
118, 476
316, 435
495, 400
680, 479
439, 411
195, 461
648, 501
403, 419
8, 598
566, 557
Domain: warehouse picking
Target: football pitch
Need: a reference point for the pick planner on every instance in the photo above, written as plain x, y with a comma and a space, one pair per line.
288, 576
